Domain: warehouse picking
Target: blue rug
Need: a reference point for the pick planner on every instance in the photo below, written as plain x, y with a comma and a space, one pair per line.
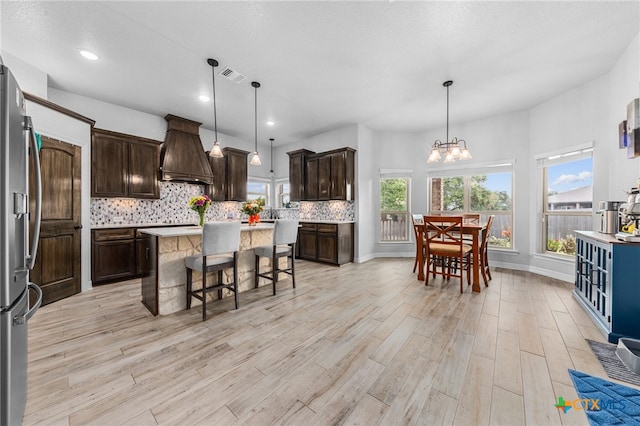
605, 402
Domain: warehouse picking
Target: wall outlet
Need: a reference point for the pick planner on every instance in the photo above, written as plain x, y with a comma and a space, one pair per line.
117, 219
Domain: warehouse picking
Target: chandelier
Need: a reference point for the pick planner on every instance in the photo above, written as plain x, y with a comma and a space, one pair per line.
454, 149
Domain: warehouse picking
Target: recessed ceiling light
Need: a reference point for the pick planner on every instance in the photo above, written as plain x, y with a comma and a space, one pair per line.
89, 55
203, 98
270, 123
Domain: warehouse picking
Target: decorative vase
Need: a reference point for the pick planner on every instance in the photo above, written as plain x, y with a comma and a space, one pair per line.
201, 222
254, 219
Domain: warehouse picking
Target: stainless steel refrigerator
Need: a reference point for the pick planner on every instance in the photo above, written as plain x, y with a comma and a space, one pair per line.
18, 249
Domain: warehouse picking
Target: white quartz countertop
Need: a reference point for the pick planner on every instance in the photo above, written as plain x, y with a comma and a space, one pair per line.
139, 225
331, 222
179, 231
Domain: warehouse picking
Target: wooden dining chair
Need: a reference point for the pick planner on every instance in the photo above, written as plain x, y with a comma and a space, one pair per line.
484, 252
444, 240
418, 232
473, 218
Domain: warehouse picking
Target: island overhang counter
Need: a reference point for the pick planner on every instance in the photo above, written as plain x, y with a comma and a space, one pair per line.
164, 275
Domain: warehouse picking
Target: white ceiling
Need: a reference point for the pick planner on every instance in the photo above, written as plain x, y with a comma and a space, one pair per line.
322, 65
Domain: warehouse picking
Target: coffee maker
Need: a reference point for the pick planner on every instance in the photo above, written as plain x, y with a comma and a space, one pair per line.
609, 217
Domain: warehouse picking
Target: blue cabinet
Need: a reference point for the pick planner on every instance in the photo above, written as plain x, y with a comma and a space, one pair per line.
607, 283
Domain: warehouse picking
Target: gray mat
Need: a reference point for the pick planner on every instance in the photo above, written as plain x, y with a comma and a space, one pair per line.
606, 353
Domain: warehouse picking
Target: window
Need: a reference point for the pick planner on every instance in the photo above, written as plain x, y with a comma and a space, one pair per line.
486, 190
282, 194
394, 206
257, 187
567, 199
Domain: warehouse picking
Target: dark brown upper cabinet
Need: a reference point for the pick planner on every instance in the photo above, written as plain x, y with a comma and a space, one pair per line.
323, 176
343, 174
124, 165
296, 173
311, 178
229, 176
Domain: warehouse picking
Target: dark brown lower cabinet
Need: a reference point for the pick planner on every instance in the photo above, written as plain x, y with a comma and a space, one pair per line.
119, 254
326, 242
308, 241
113, 255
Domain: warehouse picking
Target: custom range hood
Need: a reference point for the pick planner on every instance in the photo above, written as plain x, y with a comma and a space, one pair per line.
183, 157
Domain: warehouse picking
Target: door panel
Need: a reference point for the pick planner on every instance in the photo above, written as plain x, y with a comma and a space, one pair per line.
57, 268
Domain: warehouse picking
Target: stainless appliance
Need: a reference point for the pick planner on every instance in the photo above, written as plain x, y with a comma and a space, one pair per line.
609, 217
17, 144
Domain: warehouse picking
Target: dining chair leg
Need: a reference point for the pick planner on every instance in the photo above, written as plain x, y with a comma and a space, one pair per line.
204, 296
483, 272
235, 278
293, 266
427, 266
220, 279
486, 261
257, 277
189, 286
274, 273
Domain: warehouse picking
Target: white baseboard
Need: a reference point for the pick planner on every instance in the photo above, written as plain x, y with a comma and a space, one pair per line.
506, 265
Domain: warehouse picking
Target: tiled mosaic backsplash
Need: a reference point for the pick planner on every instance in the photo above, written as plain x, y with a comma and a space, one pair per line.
173, 207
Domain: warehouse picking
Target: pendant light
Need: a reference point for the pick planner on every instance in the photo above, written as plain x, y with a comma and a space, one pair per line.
454, 149
255, 160
271, 171
215, 150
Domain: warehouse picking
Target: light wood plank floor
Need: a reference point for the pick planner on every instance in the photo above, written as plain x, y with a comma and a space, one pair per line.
360, 344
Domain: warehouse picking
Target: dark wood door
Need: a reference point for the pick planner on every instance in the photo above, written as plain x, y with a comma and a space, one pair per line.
57, 267
144, 160
109, 165
236, 174
338, 176
324, 177
311, 179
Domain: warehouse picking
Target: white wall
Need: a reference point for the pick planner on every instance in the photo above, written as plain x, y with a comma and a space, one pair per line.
30, 79
589, 113
366, 196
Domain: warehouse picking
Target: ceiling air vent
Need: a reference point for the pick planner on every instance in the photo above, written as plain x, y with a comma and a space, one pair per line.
232, 75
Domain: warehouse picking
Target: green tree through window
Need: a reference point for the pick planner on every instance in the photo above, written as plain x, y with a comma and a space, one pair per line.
393, 194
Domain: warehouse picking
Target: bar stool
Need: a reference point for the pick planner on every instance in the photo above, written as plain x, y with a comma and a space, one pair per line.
285, 235
220, 245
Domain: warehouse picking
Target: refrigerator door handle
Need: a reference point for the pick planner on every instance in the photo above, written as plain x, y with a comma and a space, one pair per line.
31, 257
32, 310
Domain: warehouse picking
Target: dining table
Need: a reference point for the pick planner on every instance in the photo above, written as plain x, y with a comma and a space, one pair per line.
475, 231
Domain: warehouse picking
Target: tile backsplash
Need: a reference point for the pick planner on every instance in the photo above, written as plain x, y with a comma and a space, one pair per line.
173, 207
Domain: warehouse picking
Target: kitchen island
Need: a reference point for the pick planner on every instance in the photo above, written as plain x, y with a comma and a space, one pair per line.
164, 276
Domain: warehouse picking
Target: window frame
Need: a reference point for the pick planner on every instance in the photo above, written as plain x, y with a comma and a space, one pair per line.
259, 180
279, 185
396, 174
467, 173
545, 161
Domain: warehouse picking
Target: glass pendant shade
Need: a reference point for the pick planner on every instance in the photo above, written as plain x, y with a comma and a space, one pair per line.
255, 160
215, 150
